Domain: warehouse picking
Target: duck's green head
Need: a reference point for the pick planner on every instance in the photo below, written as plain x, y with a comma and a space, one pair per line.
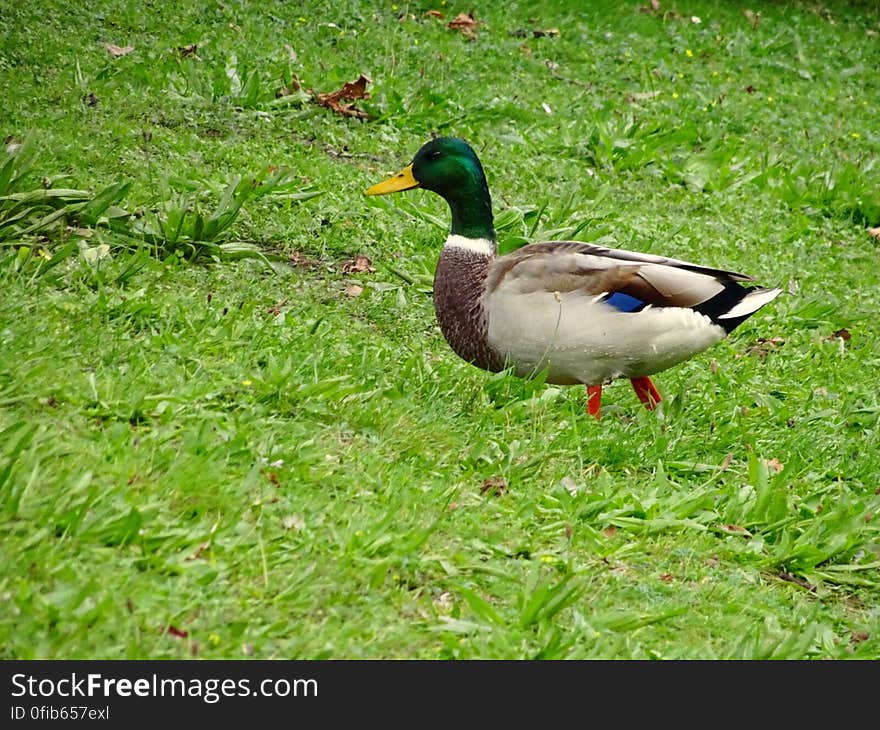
449, 167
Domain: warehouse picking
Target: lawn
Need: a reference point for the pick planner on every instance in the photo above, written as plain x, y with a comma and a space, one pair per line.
230, 427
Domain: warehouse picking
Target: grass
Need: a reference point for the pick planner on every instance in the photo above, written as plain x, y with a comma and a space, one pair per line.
220, 452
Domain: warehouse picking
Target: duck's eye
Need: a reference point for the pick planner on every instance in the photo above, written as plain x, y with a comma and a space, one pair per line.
435, 155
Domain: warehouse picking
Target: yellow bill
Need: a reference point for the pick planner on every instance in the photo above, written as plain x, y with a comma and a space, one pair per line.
403, 180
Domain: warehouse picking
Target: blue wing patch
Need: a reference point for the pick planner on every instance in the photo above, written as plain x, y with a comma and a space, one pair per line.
624, 302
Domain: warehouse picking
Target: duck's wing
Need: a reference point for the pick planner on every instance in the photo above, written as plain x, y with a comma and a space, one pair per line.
627, 280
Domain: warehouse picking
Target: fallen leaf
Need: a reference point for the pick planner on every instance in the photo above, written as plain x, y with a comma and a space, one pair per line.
754, 17
569, 531
200, 551
859, 636
842, 334
666, 577
570, 485
728, 460
117, 51
750, 89
190, 51
495, 486
351, 92
357, 265
537, 33
272, 476
736, 529
874, 232
791, 578
774, 465
298, 259
354, 290
435, 14
465, 23
444, 602
174, 631
762, 346
712, 562
275, 309
610, 532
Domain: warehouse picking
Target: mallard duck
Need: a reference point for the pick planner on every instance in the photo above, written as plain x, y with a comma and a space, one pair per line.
577, 312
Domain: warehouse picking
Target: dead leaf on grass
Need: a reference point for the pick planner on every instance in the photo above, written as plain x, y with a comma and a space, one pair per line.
354, 290
350, 92
841, 334
762, 347
610, 531
667, 577
774, 465
753, 17
434, 14
275, 309
791, 578
857, 637
117, 51
298, 259
494, 486
464, 23
174, 631
874, 232
358, 264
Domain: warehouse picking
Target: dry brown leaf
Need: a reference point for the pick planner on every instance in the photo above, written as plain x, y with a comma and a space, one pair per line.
841, 334
762, 346
753, 17
667, 577
435, 14
354, 290
874, 232
350, 92
791, 578
189, 51
117, 51
774, 465
859, 636
298, 259
465, 23
275, 310
494, 486
610, 532
736, 529
272, 477
358, 264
